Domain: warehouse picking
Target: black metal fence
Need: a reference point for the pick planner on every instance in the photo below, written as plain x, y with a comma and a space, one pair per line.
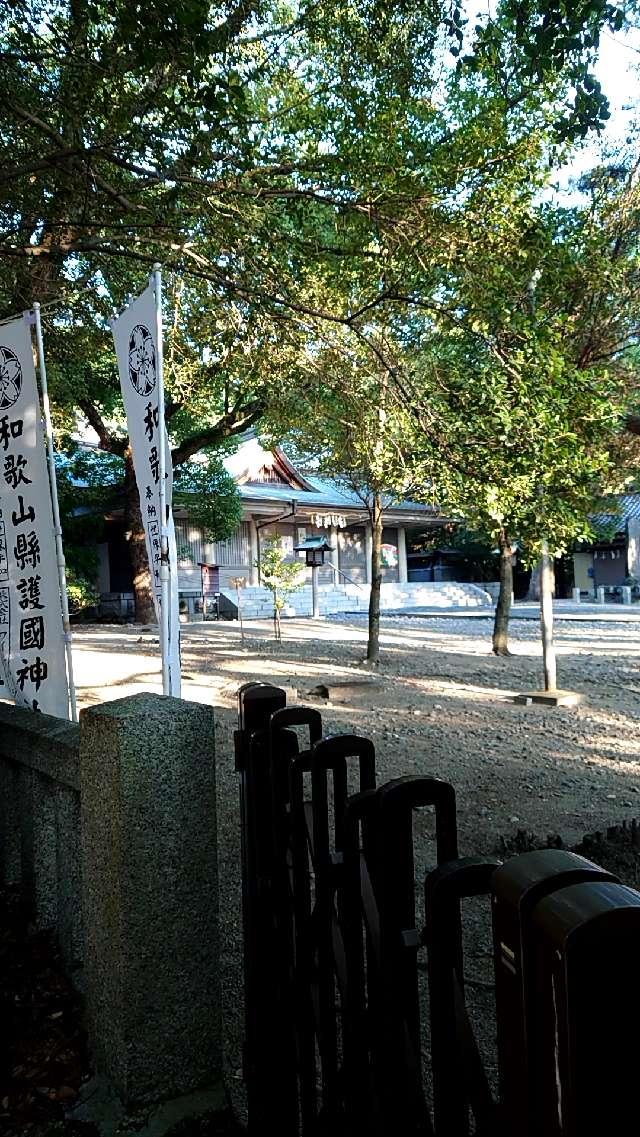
333, 1033
332, 939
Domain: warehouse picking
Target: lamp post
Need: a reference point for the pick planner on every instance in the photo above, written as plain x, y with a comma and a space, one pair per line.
314, 549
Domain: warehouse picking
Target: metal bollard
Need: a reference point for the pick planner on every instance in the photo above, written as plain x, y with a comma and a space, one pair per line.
271, 1096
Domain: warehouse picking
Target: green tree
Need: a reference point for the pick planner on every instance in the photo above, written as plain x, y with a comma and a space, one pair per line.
255, 149
346, 419
526, 373
211, 496
280, 576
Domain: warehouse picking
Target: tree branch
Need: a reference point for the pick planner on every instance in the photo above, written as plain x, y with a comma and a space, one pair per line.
231, 424
108, 441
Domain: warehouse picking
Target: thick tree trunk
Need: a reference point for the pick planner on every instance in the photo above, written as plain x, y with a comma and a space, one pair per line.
503, 607
373, 645
143, 596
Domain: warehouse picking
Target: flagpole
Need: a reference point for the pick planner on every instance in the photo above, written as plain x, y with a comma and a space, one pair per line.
57, 528
165, 593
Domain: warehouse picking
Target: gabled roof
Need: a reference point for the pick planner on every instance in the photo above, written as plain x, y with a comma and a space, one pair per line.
252, 459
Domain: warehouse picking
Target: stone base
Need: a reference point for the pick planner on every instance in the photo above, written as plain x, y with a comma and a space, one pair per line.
100, 1106
555, 698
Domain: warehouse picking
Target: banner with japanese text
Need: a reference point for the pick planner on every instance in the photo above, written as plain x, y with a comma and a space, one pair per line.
32, 649
134, 334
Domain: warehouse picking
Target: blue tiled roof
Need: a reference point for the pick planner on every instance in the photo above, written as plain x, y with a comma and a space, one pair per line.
327, 493
626, 506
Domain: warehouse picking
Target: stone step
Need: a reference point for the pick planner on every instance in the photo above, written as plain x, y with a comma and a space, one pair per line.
394, 596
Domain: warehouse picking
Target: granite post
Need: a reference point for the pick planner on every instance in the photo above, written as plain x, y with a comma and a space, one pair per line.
149, 874
334, 555
403, 570
633, 547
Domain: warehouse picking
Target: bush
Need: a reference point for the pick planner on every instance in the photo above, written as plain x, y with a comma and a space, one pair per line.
81, 593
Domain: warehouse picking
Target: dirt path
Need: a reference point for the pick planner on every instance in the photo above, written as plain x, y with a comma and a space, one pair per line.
439, 704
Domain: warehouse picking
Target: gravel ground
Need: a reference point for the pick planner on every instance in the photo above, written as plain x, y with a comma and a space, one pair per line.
440, 703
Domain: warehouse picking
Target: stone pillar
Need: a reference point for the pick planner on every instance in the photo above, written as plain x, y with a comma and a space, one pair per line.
368, 548
315, 596
600, 594
150, 895
633, 547
575, 592
253, 554
334, 556
626, 594
403, 573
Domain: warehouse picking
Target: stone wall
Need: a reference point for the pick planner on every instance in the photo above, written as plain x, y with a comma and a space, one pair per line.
110, 828
40, 819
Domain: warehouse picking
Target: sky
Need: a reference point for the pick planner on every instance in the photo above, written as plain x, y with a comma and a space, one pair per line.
618, 71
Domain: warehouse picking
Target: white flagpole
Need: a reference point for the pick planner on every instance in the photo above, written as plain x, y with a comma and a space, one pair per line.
165, 592
57, 528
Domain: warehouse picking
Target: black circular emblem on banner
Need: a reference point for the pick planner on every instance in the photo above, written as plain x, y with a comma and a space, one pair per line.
142, 360
10, 377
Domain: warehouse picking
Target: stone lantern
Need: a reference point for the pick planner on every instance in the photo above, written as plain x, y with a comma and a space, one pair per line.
314, 549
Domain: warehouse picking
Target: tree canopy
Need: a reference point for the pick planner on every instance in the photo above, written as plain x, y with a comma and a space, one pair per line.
295, 168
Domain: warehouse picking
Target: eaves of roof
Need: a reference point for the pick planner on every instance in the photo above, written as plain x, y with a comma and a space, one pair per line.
325, 495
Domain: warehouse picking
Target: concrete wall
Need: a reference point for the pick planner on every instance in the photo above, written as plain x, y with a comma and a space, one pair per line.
110, 828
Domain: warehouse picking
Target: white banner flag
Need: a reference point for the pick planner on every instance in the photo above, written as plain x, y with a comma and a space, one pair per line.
134, 333
31, 633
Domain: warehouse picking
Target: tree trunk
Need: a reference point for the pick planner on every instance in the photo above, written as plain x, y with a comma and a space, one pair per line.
143, 596
503, 607
373, 645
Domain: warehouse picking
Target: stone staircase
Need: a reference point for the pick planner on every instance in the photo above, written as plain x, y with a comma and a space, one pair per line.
257, 603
